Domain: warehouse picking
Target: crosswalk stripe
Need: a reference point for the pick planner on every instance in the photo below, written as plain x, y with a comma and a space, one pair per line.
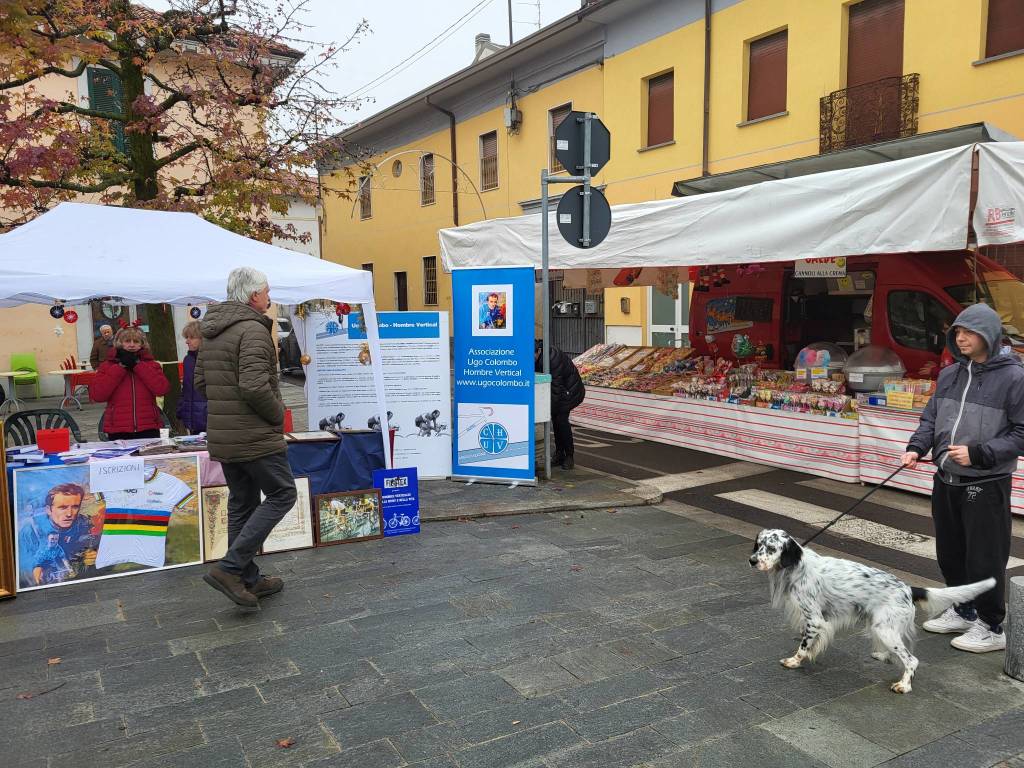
854, 527
680, 481
904, 502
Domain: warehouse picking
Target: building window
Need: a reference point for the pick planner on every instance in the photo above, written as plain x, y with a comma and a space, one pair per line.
766, 75
427, 180
106, 95
659, 109
430, 280
489, 161
365, 203
557, 115
368, 267
1005, 28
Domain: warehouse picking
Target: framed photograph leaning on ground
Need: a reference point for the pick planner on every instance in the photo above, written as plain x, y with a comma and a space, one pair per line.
295, 531
215, 522
348, 516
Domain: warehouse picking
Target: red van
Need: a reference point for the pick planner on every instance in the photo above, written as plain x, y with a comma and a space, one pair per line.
905, 302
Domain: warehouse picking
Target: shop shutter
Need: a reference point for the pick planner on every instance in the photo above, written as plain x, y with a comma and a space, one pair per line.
106, 95
427, 180
489, 161
659, 109
1005, 27
766, 77
558, 114
875, 43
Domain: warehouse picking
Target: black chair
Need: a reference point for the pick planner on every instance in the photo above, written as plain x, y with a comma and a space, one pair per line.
20, 427
103, 435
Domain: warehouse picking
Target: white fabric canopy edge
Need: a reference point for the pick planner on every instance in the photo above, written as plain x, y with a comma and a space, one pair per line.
915, 204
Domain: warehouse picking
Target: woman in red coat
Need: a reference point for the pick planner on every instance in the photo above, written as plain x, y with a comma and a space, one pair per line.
130, 381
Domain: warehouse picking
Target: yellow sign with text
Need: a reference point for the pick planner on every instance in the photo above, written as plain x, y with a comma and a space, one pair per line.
904, 400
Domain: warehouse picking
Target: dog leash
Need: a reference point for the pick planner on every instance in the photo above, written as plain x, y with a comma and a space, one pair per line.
853, 506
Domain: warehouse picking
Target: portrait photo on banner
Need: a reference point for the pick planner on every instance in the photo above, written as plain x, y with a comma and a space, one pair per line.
492, 310
65, 533
348, 516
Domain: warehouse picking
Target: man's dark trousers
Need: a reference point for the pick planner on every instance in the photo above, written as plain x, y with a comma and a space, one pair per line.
972, 537
563, 431
249, 521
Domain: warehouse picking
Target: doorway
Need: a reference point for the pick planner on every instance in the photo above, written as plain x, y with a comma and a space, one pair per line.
401, 292
669, 317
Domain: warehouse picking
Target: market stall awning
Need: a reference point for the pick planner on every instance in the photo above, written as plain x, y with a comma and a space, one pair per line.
917, 204
78, 252
999, 210
854, 157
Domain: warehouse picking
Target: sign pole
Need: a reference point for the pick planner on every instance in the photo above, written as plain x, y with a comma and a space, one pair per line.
545, 308
586, 179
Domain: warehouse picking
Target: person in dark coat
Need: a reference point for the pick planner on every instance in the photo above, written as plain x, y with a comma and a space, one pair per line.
192, 405
567, 391
129, 381
237, 373
101, 347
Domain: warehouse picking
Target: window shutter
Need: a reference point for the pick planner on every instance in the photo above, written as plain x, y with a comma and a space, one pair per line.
1005, 30
766, 77
489, 161
365, 202
558, 114
659, 109
430, 280
106, 95
875, 43
427, 180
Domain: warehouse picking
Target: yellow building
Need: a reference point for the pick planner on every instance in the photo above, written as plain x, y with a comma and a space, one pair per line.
760, 89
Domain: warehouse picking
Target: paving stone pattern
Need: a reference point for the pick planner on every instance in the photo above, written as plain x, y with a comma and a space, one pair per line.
605, 639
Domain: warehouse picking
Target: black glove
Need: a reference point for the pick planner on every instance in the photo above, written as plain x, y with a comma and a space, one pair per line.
126, 358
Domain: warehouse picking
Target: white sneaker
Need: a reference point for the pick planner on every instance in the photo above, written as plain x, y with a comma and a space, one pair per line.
980, 639
948, 621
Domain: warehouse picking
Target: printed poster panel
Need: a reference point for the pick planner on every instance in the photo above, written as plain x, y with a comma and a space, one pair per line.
68, 533
295, 530
399, 499
494, 324
417, 381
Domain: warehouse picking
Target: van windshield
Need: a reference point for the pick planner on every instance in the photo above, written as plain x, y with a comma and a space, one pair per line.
1005, 296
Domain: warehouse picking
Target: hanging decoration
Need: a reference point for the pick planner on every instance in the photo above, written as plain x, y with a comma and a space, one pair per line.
342, 309
195, 313
668, 282
71, 317
57, 311
134, 323
305, 359
58, 331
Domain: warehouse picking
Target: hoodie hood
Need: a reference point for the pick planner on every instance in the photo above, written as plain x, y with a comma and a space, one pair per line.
220, 317
983, 320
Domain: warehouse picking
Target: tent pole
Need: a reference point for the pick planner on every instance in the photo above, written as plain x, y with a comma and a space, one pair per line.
376, 366
545, 307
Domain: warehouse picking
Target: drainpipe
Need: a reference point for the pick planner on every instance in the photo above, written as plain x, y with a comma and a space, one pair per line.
707, 86
455, 160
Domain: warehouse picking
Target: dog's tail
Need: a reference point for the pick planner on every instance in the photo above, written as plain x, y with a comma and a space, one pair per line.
935, 601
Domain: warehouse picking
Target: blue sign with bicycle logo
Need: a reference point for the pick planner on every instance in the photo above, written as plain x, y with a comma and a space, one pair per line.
400, 500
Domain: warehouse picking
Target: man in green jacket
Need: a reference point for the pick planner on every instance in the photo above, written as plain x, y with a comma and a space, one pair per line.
237, 373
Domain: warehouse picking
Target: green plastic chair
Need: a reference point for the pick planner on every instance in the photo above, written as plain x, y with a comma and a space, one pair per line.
25, 362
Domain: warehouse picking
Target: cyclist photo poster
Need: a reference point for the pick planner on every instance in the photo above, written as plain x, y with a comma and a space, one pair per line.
493, 362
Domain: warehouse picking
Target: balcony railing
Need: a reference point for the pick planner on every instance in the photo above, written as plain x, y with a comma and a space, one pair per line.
866, 114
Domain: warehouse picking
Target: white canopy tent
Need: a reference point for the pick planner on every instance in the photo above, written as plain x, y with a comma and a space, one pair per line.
79, 252
917, 204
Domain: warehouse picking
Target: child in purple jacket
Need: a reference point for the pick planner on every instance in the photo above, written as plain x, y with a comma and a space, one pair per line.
191, 405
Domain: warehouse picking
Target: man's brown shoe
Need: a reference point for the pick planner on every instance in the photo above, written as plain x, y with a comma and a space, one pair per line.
231, 585
267, 585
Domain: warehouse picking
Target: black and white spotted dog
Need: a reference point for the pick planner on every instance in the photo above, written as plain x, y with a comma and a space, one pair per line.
822, 595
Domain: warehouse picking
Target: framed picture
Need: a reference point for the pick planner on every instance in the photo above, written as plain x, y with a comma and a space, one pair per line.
215, 522
295, 531
8, 579
348, 516
67, 533
492, 310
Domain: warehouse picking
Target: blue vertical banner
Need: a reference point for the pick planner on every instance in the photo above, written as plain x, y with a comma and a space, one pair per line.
493, 367
399, 500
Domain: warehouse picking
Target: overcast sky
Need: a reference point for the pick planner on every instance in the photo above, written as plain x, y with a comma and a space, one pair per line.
399, 28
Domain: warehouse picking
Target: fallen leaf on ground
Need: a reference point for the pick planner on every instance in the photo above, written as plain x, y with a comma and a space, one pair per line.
286, 743
516, 722
54, 660
514, 527
612, 511
25, 695
576, 568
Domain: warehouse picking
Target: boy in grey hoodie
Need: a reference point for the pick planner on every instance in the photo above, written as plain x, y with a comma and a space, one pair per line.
974, 427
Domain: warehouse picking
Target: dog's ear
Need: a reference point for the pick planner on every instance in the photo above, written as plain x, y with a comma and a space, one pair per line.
791, 553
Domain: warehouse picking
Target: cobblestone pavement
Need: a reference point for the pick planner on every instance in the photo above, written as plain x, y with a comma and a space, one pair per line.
638, 637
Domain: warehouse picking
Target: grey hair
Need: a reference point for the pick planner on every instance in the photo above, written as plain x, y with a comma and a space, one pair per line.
243, 282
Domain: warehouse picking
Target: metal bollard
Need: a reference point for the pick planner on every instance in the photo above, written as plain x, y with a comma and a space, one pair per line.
1013, 663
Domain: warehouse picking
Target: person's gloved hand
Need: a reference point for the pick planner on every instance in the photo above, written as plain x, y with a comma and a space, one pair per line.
126, 358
